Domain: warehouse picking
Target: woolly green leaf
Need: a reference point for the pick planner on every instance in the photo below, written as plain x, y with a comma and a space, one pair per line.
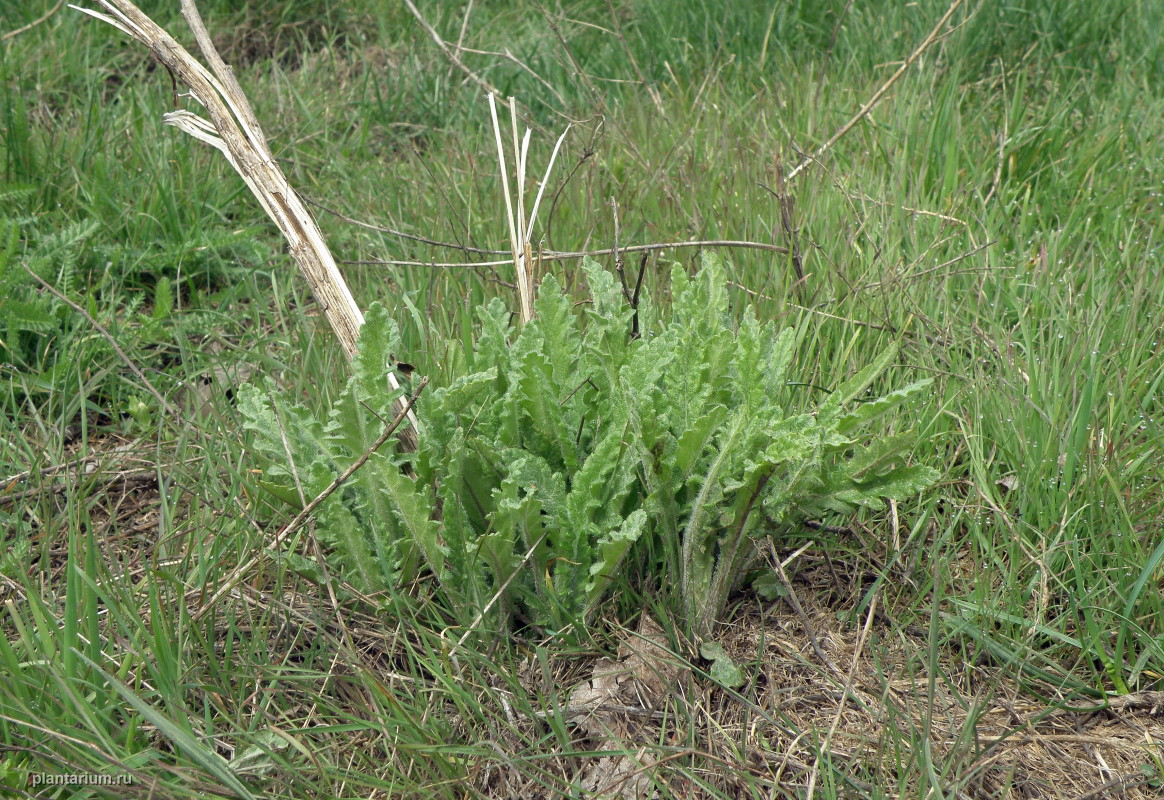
639, 377
592, 509
413, 510
34, 317
518, 518
458, 530
558, 327
857, 384
9, 237
769, 586
518, 511
163, 298
351, 427
878, 453
897, 484
468, 406
867, 412
640, 395
353, 548
694, 440
606, 342
701, 302
293, 432
493, 343
529, 505
723, 670
611, 549
282, 492
534, 476
465, 391
379, 340
548, 431
607, 301
779, 357
698, 556
590, 491
748, 368
791, 439
901, 483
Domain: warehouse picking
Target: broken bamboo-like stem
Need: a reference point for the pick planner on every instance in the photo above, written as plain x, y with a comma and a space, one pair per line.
233, 129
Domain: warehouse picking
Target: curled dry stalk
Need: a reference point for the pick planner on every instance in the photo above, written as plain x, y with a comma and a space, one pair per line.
233, 129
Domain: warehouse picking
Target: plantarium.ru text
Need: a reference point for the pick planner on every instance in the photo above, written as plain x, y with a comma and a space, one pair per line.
566, 443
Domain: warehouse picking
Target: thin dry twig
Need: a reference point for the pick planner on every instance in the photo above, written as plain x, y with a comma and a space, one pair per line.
26, 28
876, 98
169, 409
400, 234
824, 69
656, 98
89, 463
788, 224
551, 255
450, 53
858, 195
798, 609
125, 479
938, 268
1002, 139
508, 56
498, 594
618, 258
544, 255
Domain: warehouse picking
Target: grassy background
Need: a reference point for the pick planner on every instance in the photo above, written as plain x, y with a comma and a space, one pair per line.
998, 213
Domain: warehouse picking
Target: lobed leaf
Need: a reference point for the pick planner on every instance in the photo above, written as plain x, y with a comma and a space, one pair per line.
857, 384
867, 412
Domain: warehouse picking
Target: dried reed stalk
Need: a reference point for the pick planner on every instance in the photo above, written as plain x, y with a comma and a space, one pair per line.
234, 130
520, 229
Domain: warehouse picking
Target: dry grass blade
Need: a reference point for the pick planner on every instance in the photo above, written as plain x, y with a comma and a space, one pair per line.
849, 683
522, 289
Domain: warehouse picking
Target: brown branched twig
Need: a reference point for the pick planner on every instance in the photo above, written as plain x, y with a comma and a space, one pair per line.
788, 225
508, 56
651, 91
877, 95
401, 234
450, 53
